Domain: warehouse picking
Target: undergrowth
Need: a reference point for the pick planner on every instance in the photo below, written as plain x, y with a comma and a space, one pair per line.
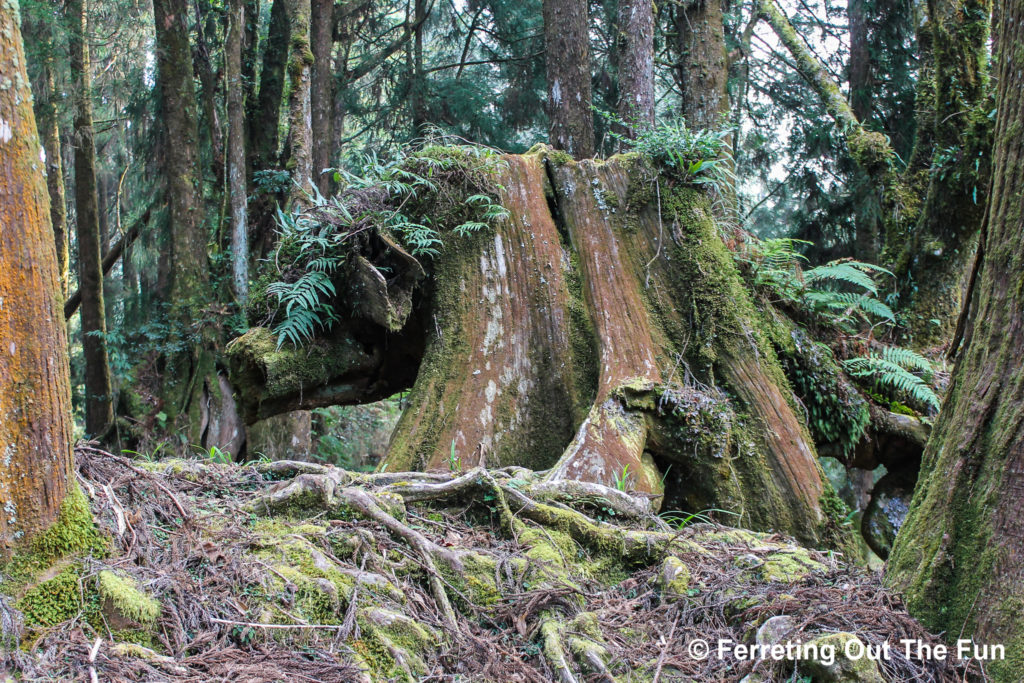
413, 200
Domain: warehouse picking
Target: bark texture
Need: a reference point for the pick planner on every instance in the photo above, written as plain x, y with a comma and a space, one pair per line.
567, 55
702, 68
300, 115
322, 90
237, 187
265, 114
959, 557
635, 37
99, 406
190, 385
600, 333
35, 392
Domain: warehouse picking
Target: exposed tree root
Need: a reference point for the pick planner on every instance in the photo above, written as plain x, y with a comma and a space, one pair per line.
297, 571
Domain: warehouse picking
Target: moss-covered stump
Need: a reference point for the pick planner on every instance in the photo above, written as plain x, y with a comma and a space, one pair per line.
291, 570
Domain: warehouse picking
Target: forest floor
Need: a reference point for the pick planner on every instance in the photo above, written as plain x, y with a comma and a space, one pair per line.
300, 572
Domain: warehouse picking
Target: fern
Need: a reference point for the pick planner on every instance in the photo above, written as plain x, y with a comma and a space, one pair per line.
893, 369
417, 198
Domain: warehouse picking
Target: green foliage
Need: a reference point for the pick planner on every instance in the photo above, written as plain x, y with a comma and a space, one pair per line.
623, 479
842, 292
699, 157
893, 369
416, 197
835, 411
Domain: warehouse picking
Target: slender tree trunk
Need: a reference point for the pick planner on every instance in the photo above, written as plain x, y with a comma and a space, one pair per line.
205, 36
419, 78
635, 39
322, 95
35, 390
265, 114
702, 64
867, 222
46, 98
300, 115
99, 412
237, 186
959, 556
567, 55
185, 369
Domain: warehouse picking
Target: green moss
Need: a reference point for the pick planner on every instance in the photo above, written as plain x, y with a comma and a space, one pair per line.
126, 597
53, 601
788, 566
74, 532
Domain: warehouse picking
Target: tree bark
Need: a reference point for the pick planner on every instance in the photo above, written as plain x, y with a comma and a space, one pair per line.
958, 558
601, 332
99, 406
35, 388
187, 370
418, 87
635, 37
867, 226
927, 244
237, 187
300, 116
931, 255
702, 67
265, 114
567, 55
322, 87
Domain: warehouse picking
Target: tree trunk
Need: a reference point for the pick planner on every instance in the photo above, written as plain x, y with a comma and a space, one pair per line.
300, 123
702, 67
35, 391
600, 332
99, 410
930, 257
635, 38
237, 187
322, 95
187, 371
419, 78
265, 114
959, 557
46, 98
567, 55
205, 36
867, 224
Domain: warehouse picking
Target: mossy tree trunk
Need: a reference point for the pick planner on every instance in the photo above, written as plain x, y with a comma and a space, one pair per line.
928, 244
322, 90
237, 186
567, 56
99, 406
600, 333
702, 66
265, 110
635, 39
188, 372
959, 557
35, 390
300, 115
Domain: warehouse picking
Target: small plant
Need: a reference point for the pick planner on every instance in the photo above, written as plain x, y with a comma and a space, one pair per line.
416, 198
700, 157
843, 292
217, 455
680, 519
623, 479
893, 369
454, 461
